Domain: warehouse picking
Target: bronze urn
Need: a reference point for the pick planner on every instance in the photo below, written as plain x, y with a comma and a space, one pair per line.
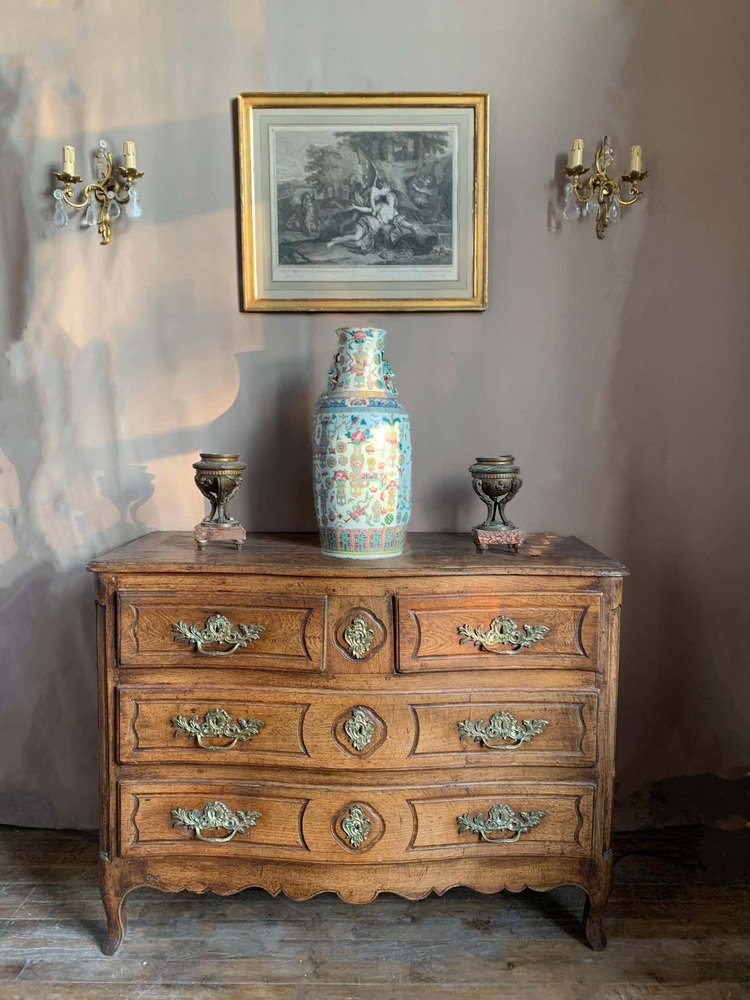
496, 481
218, 477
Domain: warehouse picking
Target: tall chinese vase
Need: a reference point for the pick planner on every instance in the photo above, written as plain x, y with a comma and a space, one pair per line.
361, 453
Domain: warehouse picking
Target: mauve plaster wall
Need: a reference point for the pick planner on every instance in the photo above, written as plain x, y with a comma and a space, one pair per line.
614, 371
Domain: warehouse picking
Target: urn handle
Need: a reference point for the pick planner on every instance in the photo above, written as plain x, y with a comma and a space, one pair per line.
503, 731
217, 723
215, 816
218, 629
500, 818
502, 631
388, 376
334, 372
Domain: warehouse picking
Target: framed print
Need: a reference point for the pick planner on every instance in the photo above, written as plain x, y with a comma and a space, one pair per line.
363, 202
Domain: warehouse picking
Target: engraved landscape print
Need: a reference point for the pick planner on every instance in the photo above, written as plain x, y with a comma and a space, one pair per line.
363, 201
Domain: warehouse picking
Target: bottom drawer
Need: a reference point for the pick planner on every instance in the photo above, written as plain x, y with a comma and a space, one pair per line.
371, 823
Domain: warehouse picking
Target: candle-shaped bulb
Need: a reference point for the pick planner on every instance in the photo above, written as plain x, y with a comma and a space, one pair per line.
128, 152
576, 154
69, 160
636, 160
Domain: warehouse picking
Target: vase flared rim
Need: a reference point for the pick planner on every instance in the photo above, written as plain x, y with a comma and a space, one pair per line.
362, 329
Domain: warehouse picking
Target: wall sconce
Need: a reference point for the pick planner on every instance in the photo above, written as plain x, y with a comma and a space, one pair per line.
600, 193
108, 190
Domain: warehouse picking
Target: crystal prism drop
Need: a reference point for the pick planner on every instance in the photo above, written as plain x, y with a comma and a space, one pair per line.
571, 210
592, 203
61, 216
613, 215
133, 208
88, 218
114, 211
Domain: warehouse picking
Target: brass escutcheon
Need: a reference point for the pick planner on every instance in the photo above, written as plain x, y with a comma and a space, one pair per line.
356, 826
359, 637
218, 629
500, 818
502, 631
217, 723
502, 726
359, 727
215, 816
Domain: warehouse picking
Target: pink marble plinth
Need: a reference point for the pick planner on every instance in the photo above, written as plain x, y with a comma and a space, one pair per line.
205, 533
507, 538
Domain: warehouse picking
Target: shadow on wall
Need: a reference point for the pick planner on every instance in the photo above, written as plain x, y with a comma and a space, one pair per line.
17, 261
48, 726
48, 717
274, 409
682, 411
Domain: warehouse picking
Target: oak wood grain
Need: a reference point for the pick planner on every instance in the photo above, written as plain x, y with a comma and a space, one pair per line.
414, 683
300, 822
426, 554
419, 729
429, 636
291, 637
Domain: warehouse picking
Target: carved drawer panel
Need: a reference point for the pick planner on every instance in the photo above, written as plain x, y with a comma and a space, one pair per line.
225, 727
354, 730
546, 630
531, 818
211, 818
265, 633
507, 728
366, 824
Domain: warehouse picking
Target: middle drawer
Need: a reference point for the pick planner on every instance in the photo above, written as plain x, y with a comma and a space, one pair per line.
355, 730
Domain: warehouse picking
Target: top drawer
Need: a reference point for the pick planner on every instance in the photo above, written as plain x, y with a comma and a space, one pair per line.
224, 630
494, 632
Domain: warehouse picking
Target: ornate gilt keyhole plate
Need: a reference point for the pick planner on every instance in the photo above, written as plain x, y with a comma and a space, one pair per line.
359, 635
358, 826
359, 731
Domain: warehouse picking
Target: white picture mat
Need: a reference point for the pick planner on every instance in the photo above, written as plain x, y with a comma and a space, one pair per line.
418, 282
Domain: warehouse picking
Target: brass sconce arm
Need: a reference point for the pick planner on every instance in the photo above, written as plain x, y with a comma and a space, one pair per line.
110, 190
599, 192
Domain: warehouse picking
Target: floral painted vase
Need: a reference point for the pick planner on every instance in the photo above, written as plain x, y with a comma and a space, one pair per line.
361, 453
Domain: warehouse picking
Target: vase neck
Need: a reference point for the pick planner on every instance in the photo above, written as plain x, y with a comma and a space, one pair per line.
360, 366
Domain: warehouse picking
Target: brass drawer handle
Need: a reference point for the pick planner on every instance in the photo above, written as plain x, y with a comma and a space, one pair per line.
502, 631
502, 726
500, 818
215, 816
217, 722
218, 629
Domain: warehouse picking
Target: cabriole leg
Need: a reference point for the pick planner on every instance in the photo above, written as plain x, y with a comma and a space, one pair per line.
114, 907
593, 919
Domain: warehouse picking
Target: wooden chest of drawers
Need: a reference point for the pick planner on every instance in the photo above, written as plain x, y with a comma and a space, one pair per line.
278, 718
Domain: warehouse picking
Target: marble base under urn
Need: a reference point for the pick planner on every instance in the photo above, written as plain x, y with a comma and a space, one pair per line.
507, 539
234, 533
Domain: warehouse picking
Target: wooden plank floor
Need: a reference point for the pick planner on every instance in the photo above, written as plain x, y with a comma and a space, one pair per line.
678, 927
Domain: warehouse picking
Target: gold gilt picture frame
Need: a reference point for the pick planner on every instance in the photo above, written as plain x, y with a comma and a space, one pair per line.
363, 202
